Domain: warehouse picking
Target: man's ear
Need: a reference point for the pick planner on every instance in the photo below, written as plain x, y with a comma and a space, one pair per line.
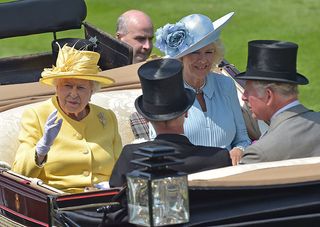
118, 35
270, 96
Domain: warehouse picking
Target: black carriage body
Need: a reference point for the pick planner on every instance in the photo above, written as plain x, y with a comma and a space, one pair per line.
295, 204
24, 202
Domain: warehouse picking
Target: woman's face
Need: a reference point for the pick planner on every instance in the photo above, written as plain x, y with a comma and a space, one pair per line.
198, 64
73, 96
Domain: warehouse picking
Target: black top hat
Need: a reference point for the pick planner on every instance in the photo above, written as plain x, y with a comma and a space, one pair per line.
272, 60
163, 94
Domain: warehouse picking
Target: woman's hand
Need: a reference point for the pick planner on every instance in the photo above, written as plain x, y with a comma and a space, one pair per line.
51, 130
235, 155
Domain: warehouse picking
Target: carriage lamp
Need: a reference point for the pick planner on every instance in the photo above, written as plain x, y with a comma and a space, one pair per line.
157, 195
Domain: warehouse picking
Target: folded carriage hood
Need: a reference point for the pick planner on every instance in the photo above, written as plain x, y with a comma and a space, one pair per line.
26, 17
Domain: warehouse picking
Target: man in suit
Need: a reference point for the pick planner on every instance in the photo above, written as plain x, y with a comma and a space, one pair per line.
135, 28
271, 92
165, 102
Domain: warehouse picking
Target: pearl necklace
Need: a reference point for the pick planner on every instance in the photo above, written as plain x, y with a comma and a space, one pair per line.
197, 90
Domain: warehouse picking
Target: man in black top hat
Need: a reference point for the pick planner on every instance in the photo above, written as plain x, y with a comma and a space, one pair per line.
165, 103
271, 92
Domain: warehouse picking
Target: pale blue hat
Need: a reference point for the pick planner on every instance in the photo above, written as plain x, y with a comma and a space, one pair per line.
191, 33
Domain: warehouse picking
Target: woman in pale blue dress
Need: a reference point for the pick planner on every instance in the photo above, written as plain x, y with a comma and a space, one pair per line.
215, 119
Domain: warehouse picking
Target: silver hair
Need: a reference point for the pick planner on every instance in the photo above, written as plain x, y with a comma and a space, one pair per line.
284, 89
95, 85
121, 26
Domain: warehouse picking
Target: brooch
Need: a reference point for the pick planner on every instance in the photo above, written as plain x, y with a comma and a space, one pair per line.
102, 118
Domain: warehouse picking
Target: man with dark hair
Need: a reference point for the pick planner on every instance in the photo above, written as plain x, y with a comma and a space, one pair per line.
165, 102
135, 28
271, 92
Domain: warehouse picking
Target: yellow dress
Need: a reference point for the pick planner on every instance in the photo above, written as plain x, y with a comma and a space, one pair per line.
83, 153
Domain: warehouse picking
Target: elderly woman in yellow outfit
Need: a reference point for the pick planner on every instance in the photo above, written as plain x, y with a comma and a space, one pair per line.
65, 141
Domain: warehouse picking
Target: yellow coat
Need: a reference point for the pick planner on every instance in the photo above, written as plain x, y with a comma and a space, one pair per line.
83, 153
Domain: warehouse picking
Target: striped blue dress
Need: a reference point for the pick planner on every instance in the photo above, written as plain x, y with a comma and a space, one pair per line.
223, 124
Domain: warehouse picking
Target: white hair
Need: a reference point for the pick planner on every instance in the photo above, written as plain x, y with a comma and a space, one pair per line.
284, 89
95, 85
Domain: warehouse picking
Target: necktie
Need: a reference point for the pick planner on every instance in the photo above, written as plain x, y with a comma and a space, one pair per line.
201, 101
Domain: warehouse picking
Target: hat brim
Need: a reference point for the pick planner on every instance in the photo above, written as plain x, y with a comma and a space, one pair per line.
209, 38
301, 80
103, 80
165, 117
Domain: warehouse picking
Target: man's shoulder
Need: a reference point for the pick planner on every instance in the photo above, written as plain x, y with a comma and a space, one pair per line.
178, 142
155, 143
313, 116
129, 149
298, 118
136, 146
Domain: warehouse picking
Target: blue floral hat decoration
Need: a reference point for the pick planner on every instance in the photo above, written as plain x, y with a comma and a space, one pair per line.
189, 34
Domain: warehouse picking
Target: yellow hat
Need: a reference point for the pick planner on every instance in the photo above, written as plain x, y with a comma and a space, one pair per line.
77, 64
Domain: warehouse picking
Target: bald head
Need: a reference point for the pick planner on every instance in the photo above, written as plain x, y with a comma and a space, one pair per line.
135, 28
131, 17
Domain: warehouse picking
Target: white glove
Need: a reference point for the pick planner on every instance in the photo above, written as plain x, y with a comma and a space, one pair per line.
102, 185
51, 130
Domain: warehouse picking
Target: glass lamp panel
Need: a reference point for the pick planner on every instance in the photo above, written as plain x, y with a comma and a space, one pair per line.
170, 200
138, 201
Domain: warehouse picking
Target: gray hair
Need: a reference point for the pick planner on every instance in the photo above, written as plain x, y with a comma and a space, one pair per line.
121, 26
284, 89
95, 85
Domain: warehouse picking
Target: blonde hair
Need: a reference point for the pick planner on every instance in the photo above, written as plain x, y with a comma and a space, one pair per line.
218, 54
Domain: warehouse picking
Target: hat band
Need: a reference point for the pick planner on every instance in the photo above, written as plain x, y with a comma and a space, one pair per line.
290, 76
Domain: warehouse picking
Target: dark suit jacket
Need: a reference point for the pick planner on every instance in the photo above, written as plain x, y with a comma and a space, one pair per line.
195, 158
